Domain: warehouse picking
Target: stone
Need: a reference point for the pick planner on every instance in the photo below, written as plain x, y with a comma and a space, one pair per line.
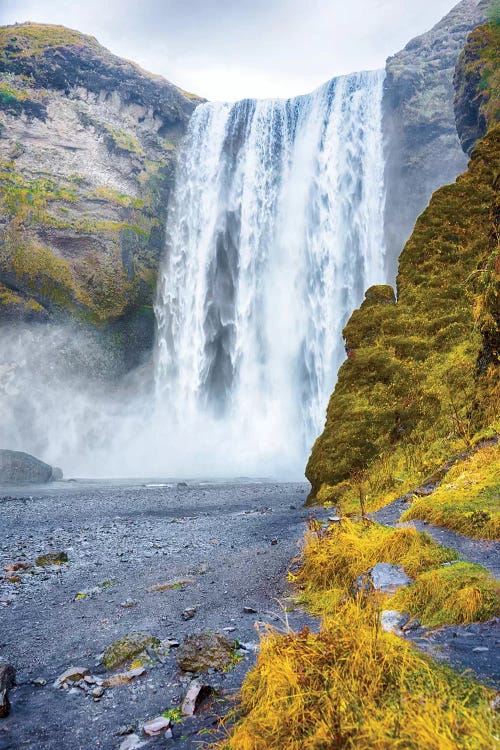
128, 603
16, 566
393, 621
249, 611
122, 678
204, 651
156, 726
16, 466
195, 693
383, 577
480, 649
7, 682
189, 613
131, 742
126, 648
98, 692
52, 558
177, 584
73, 674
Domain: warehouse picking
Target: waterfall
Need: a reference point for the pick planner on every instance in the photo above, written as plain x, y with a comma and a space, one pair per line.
274, 231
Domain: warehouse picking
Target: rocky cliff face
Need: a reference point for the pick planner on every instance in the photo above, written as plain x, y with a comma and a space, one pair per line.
423, 151
422, 378
87, 145
477, 84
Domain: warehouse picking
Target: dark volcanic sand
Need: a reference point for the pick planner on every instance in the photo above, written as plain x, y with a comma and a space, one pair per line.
140, 537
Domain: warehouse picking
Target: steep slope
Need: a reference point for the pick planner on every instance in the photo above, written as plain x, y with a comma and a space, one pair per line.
422, 148
87, 144
422, 377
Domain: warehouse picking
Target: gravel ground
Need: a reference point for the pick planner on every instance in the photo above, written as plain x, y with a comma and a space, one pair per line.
233, 541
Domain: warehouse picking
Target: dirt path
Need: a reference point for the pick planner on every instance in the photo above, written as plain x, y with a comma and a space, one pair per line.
233, 541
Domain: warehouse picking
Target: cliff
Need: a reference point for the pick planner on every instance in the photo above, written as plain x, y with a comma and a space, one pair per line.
422, 378
87, 147
422, 149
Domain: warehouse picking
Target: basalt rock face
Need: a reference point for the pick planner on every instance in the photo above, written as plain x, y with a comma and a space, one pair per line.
477, 84
87, 147
423, 151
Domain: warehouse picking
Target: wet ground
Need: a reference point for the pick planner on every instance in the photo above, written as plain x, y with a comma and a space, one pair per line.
474, 647
233, 542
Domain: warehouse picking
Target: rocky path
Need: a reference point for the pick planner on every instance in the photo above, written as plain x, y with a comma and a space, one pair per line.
474, 647
230, 543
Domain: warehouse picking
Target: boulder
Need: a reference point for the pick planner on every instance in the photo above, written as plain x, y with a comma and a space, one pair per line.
127, 648
383, 577
16, 466
204, 651
7, 681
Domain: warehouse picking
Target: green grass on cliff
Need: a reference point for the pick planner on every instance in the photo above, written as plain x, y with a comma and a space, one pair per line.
422, 375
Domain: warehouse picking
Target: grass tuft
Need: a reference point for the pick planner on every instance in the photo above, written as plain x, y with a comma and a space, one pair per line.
354, 686
460, 593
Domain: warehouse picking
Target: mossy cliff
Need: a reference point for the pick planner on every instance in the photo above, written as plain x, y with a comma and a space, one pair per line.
422, 379
87, 146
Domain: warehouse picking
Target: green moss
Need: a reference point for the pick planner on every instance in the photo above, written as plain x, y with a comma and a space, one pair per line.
125, 649
468, 500
422, 377
458, 593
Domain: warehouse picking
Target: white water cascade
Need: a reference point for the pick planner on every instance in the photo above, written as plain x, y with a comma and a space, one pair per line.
274, 232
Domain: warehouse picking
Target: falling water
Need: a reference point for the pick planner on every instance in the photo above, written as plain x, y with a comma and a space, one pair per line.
274, 231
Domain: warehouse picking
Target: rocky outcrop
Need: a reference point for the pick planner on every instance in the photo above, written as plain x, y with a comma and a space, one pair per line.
422, 148
87, 146
16, 466
477, 85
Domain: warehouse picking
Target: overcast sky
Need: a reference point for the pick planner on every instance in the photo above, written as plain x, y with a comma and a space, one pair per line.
232, 49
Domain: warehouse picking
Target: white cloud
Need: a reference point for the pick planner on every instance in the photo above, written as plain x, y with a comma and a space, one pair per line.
230, 49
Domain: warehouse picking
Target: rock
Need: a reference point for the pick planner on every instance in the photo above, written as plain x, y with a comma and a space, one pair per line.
176, 584
98, 692
73, 674
122, 678
204, 651
194, 695
249, 611
480, 649
52, 558
12, 578
393, 621
16, 466
126, 648
334, 519
39, 682
126, 729
128, 603
189, 613
16, 566
131, 742
423, 151
7, 682
229, 629
182, 485
153, 727
383, 577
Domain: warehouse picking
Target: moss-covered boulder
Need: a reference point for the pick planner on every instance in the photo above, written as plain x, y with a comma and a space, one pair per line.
125, 649
201, 652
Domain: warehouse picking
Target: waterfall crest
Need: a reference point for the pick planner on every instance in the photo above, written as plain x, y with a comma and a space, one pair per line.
274, 231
